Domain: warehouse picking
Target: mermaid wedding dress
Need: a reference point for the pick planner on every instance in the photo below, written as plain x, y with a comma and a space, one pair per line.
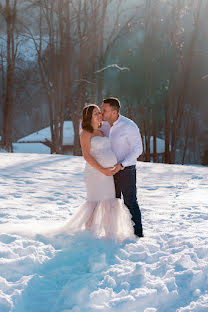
102, 214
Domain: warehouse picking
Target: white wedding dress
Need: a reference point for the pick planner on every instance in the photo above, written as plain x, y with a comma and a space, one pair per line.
102, 214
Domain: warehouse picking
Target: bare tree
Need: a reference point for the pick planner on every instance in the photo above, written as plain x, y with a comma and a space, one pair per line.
150, 23
52, 42
9, 13
69, 61
183, 80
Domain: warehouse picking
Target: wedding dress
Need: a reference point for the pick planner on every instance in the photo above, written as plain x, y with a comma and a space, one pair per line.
102, 214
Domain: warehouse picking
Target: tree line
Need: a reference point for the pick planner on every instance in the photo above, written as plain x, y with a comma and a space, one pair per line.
157, 45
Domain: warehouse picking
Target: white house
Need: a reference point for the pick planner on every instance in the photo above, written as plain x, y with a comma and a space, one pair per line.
36, 142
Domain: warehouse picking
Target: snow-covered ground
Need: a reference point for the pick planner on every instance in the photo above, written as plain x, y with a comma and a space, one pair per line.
166, 271
36, 148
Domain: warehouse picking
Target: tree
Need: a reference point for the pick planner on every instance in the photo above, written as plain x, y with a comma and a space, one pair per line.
52, 43
183, 78
9, 13
69, 46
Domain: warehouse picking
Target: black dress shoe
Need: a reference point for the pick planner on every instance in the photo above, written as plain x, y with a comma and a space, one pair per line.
139, 234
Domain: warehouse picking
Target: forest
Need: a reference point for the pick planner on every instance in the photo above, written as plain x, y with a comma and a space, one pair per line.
56, 56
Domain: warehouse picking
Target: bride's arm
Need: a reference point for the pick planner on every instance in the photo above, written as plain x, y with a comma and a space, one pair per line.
85, 140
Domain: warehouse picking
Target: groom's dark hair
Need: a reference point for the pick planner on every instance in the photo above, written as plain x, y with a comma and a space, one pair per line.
113, 102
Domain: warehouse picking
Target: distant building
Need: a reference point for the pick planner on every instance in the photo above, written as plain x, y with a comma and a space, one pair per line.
39, 141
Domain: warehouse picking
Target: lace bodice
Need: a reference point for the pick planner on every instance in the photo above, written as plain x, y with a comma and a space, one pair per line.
101, 151
100, 186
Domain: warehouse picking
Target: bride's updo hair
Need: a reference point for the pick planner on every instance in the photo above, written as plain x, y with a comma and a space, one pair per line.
87, 116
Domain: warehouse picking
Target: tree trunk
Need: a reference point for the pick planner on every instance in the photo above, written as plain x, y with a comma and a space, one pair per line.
167, 131
77, 147
154, 132
180, 105
101, 52
7, 124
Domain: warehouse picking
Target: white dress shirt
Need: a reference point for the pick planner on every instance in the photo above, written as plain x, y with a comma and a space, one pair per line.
126, 142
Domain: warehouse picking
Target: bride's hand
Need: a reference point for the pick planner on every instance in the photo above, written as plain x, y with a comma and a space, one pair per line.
107, 171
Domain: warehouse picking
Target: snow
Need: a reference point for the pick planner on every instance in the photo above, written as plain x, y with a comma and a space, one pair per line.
167, 270
115, 66
37, 148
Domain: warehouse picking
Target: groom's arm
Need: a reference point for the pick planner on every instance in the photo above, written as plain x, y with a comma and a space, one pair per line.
135, 143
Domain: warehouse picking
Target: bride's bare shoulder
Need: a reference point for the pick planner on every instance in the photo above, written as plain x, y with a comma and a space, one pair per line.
85, 135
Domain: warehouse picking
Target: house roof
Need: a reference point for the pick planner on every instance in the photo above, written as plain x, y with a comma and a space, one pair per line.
45, 134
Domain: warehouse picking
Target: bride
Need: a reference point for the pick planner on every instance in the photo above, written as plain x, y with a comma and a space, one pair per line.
102, 214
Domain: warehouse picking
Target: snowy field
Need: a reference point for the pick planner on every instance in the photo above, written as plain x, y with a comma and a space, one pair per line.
166, 271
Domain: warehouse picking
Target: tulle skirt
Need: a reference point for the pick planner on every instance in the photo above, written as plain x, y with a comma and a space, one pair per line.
108, 219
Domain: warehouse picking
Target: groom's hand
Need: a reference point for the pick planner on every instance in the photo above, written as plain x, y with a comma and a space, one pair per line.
107, 171
116, 169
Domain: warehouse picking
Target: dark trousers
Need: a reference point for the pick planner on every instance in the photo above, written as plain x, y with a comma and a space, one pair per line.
125, 184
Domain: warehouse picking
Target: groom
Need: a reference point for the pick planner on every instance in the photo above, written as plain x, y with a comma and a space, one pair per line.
126, 144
